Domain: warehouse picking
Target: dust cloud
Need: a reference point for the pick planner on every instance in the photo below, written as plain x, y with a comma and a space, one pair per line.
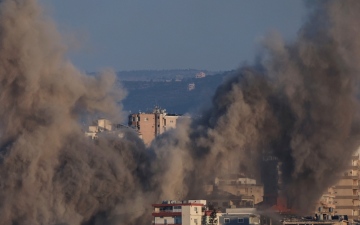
299, 102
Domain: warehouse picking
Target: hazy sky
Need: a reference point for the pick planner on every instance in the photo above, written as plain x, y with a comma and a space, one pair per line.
171, 34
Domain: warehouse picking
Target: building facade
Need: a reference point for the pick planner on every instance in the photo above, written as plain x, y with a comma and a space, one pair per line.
346, 192
187, 212
150, 125
102, 125
241, 186
195, 212
239, 217
325, 207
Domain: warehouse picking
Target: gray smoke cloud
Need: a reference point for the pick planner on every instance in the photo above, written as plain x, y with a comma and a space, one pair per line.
299, 103
49, 172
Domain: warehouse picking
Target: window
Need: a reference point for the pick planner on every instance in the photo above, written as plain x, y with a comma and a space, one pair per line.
195, 208
227, 220
240, 220
195, 221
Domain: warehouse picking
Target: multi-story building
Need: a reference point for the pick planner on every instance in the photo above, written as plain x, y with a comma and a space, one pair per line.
326, 204
195, 212
241, 186
150, 125
346, 200
187, 212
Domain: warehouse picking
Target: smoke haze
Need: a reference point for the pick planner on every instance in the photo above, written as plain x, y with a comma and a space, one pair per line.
298, 103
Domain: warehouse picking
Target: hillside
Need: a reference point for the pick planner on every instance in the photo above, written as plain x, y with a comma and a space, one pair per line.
172, 95
159, 75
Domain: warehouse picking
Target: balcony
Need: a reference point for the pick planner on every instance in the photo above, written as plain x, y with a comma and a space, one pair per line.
347, 197
326, 206
347, 187
354, 177
347, 207
166, 213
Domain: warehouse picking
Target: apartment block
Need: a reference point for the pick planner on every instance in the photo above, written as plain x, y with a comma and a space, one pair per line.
346, 192
325, 207
150, 125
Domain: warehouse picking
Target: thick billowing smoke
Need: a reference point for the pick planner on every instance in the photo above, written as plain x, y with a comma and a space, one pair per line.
298, 103
49, 172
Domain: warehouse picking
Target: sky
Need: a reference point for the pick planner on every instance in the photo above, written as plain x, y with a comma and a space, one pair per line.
170, 34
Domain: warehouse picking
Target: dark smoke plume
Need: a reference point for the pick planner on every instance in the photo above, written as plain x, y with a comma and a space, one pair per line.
299, 103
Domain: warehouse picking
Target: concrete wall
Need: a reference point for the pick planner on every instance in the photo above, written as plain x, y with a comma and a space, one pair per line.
145, 124
233, 219
167, 220
150, 125
105, 124
170, 122
191, 215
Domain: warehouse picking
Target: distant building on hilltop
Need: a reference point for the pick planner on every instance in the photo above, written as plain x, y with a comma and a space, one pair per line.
191, 86
150, 125
200, 75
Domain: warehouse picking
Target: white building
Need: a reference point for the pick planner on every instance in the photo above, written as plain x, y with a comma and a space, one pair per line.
191, 86
200, 75
102, 125
187, 212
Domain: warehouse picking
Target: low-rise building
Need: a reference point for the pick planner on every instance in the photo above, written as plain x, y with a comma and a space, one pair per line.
242, 216
238, 185
187, 212
103, 125
191, 86
196, 212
